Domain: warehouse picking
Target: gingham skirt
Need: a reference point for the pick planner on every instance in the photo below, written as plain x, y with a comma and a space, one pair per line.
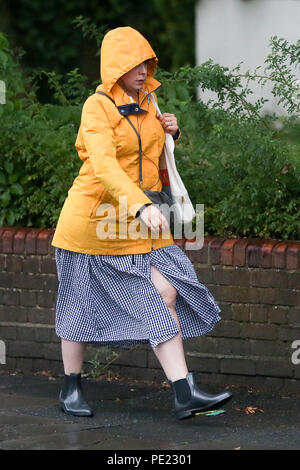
111, 300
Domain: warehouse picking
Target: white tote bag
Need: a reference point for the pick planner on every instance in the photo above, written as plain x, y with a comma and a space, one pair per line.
183, 208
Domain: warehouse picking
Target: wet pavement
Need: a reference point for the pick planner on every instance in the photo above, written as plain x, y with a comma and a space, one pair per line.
135, 416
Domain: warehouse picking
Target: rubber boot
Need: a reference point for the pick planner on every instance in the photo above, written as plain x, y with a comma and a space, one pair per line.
71, 399
188, 399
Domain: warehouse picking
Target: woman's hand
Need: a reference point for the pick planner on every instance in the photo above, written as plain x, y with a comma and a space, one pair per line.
169, 122
154, 219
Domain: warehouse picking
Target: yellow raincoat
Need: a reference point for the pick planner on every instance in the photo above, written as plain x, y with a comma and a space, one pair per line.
99, 213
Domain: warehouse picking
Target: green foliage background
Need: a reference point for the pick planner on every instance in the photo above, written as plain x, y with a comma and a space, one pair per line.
45, 30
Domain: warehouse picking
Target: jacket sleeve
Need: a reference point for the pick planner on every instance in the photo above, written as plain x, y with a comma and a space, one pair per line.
100, 143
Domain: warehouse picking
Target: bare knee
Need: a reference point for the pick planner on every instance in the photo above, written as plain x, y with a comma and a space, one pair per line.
165, 288
169, 297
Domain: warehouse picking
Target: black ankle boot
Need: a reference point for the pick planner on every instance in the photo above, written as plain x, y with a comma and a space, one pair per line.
188, 399
71, 398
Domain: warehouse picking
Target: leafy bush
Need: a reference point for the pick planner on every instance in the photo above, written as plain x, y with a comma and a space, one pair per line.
38, 160
242, 165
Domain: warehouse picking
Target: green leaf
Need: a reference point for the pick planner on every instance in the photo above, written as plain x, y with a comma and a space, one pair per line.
10, 218
13, 178
16, 188
24, 179
8, 165
182, 92
2, 178
5, 196
3, 59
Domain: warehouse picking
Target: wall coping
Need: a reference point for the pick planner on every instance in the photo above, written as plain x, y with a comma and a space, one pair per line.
239, 252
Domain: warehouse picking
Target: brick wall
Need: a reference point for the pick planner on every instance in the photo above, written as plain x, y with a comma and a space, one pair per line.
255, 282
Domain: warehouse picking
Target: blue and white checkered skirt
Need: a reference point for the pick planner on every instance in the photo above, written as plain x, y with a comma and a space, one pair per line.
111, 299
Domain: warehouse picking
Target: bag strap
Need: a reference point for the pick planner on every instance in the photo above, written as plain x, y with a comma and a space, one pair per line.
138, 136
154, 103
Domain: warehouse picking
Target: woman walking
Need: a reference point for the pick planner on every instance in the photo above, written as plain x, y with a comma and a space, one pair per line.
122, 279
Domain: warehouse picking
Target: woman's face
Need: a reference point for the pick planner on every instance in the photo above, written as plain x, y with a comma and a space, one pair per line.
134, 80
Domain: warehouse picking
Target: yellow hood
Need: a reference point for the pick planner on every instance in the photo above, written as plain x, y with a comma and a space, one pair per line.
122, 49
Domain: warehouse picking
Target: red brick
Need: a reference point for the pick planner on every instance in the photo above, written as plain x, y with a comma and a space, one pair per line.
259, 331
2, 230
293, 255
214, 250
19, 240
14, 264
200, 256
31, 264
234, 365
203, 363
28, 281
41, 315
46, 299
194, 244
254, 253
6, 280
30, 240
10, 297
47, 265
52, 248
277, 367
3, 265
43, 241
227, 329
227, 251
266, 253
7, 239
239, 252
278, 255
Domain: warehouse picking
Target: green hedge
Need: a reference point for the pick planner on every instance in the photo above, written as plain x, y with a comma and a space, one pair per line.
242, 165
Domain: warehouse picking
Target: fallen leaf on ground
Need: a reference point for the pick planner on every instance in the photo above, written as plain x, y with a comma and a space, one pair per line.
165, 384
47, 373
250, 410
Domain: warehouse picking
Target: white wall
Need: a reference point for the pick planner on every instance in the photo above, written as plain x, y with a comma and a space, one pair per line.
231, 31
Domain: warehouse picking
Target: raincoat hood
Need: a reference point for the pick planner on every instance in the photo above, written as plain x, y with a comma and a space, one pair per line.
122, 49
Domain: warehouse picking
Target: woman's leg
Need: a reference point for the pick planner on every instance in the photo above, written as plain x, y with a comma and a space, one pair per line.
188, 399
170, 353
73, 355
71, 398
